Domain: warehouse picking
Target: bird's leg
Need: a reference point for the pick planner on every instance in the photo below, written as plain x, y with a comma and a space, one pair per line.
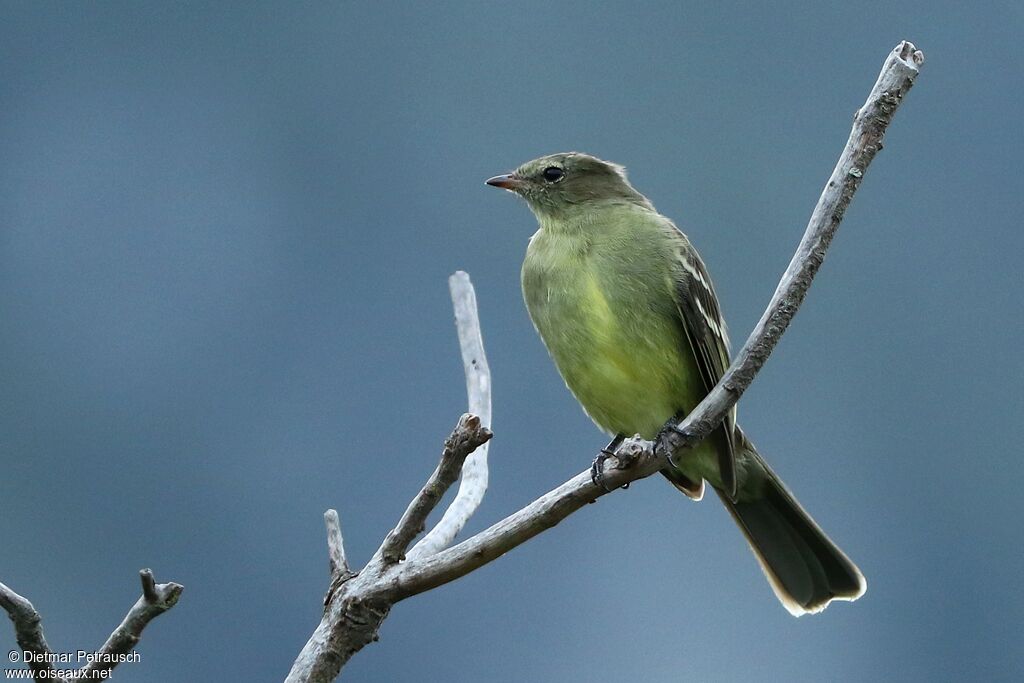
597, 469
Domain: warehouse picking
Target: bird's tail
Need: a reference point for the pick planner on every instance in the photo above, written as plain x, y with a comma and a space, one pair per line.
804, 567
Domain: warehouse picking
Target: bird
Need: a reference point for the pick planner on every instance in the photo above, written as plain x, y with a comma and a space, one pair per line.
628, 312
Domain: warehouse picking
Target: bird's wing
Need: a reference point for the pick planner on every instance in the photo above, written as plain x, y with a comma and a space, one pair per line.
709, 341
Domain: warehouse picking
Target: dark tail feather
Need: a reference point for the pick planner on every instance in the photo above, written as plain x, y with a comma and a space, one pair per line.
805, 568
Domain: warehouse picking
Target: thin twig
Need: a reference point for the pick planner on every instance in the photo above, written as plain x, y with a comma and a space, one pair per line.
149, 590
473, 482
156, 599
465, 438
335, 544
869, 125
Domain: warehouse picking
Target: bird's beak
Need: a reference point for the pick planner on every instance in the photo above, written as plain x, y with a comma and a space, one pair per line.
509, 181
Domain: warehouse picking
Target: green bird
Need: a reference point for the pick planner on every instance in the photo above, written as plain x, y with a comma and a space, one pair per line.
627, 311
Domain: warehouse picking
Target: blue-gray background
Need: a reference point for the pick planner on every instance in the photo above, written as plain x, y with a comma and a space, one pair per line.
225, 233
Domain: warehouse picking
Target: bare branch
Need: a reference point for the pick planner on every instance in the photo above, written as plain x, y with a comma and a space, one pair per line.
156, 599
28, 629
478, 390
351, 618
869, 125
335, 544
638, 458
519, 527
465, 438
355, 611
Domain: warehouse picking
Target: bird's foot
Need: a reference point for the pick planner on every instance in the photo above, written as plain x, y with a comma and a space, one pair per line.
597, 468
666, 439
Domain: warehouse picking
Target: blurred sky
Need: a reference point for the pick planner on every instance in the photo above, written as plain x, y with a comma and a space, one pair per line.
225, 233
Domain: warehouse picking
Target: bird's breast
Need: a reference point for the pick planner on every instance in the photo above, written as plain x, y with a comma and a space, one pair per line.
610, 330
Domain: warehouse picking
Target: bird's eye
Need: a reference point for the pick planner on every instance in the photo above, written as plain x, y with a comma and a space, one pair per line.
553, 174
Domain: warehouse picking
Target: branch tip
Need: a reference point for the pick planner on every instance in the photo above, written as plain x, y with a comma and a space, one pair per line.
466, 437
335, 543
908, 52
148, 586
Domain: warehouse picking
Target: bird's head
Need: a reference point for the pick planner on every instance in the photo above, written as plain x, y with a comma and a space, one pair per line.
569, 181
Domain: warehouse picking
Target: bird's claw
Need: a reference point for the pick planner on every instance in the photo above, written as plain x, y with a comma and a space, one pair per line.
597, 468
662, 443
